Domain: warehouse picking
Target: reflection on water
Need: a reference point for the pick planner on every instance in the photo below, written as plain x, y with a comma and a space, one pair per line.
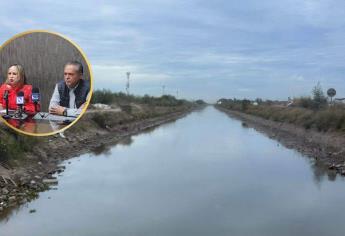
321, 171
7, 213
104, 149
205, 174
101, 149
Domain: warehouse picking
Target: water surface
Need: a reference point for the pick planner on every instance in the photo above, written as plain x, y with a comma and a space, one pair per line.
204, 174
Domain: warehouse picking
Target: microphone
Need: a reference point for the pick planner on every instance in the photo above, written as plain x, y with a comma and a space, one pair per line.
5, 97
35, 97
20, 104
20, 99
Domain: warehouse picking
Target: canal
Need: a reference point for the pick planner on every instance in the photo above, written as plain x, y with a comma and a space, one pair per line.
204, 174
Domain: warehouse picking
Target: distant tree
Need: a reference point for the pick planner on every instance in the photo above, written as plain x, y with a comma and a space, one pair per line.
245, 104
258, 100
200, 102
269, 102
102, 96
319, 97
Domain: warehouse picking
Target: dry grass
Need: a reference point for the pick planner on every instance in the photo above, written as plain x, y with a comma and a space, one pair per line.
331, 118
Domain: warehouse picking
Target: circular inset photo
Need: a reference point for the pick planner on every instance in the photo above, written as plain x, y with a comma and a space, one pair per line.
45, 83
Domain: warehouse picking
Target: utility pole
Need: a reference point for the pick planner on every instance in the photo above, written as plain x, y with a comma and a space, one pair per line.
127, 84
176, 94
163, 90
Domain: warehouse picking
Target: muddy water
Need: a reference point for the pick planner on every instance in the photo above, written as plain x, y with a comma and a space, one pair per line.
205, 174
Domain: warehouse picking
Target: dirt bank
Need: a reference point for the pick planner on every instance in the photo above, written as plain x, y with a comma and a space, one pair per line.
21, 179
326, 148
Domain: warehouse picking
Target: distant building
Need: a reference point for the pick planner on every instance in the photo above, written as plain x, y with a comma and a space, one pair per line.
221, 101
339, 100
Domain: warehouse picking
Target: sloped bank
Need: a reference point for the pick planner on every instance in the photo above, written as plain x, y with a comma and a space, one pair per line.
326, 148
31, 173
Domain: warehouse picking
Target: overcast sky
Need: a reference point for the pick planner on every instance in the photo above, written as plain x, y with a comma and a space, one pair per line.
202, 49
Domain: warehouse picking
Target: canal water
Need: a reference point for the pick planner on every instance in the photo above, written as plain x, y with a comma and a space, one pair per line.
204, 174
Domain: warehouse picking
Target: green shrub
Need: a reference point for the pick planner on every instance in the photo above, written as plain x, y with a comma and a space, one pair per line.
107, 97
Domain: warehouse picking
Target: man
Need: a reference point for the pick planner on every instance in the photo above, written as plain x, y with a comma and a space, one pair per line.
71, 93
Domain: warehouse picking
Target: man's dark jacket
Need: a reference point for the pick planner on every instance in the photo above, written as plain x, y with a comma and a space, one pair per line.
80, 93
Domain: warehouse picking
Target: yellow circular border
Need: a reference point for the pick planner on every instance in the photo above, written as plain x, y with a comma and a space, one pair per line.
91, 82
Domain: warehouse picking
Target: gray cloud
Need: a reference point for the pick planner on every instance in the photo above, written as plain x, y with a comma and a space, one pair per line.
270, 49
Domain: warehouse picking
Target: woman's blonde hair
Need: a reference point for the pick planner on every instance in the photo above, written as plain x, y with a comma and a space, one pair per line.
21, 73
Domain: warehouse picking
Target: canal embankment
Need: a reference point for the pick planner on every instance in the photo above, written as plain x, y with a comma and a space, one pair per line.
30, 164
325, 147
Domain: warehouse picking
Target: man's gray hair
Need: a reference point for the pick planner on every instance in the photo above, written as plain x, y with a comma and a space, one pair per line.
79, 66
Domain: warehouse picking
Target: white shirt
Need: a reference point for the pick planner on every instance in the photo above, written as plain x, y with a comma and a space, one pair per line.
72, 110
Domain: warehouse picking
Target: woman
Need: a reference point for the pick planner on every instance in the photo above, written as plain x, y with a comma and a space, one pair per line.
15, 82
